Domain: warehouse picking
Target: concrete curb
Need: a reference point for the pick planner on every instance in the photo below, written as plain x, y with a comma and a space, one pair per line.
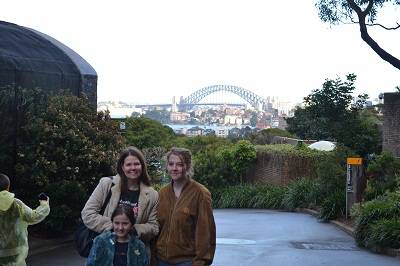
350, 230
39, 245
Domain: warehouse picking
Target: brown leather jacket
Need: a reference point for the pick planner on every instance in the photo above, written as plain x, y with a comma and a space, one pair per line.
187, 227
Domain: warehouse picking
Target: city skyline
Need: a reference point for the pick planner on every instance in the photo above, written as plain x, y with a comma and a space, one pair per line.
147, 52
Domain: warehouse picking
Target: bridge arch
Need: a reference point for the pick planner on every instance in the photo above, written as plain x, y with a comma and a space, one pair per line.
253, 99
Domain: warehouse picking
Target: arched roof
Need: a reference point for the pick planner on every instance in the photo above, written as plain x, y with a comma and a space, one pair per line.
31, 59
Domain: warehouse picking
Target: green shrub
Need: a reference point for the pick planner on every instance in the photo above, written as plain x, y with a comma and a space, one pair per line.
268, 197
224, 166
250, 196
384, 233
333, 206
155, 163
63, 144
386, 207
67, 199
383, 172
237, 197
300, 193
266, 136
143, 132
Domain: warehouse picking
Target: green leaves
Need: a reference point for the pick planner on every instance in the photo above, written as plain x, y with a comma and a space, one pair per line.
377, 223
62, 143
144, 132
330, 114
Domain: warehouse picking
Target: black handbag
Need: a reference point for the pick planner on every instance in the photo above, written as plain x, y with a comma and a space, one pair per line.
83, 236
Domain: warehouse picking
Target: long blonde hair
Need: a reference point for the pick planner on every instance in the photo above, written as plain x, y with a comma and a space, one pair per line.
186, 157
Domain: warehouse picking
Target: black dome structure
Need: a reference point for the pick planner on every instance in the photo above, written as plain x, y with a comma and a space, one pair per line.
31, 59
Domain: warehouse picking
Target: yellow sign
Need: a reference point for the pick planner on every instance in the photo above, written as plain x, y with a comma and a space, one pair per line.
356, 161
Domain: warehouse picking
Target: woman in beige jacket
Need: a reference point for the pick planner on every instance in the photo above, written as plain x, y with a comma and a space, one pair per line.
131, 187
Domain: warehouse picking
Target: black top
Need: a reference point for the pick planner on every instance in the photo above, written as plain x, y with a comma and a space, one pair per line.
120, 255
131, 199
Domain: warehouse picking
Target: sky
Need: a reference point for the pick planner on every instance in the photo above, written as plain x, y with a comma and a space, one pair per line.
150, 50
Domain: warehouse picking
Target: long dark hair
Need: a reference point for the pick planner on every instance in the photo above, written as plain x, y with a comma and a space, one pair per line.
124, 209
144, 177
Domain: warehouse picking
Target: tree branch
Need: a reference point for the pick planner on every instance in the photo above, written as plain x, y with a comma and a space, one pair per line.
367, 38
373, 24
386, 28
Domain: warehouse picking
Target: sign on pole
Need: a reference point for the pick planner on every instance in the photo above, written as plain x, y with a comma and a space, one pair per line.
353, 171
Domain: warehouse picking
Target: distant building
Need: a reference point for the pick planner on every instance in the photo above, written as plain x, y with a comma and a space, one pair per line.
235, 132
222, 132
246, 121
179, 117
209, 132
194, 131
180, 131
233, 120
275, 123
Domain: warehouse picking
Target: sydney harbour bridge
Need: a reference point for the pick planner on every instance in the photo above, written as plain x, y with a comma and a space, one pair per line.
195, 98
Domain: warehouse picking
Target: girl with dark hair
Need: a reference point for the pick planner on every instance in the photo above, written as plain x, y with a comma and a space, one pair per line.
119, 247
187, 228
131, 186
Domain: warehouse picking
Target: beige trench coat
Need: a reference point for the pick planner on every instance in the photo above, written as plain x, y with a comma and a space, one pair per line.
146, 222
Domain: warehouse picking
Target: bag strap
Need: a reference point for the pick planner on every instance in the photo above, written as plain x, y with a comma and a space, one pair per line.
103, 208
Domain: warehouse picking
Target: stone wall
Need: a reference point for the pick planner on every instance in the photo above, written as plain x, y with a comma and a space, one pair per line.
391, 123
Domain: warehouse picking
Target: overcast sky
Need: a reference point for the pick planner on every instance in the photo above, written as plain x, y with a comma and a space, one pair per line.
147, 51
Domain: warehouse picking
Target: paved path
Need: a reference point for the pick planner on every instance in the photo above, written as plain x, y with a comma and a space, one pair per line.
263, 237
273, 238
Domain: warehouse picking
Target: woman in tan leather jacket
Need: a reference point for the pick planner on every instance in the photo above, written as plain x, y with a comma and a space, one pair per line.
187, 228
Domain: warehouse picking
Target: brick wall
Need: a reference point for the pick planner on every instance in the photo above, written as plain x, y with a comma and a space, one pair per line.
391, 123
276, 169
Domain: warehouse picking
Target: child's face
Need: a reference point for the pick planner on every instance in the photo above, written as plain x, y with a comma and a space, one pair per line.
122, 226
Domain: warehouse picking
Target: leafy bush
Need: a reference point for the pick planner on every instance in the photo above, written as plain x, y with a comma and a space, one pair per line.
384, 233
223, 166
331, 183
333, 206
266, 136
67, 199
155, 163
144, 132
383, 172
237, 197
300, 193
250, 196
268, 197
243, 153
375, 217
63, 144
200, 144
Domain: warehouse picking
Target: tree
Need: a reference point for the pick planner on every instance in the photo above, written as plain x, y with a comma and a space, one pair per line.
253, 119
330, 114
266, 136
366, 11
161, 116
144, 132
64, 148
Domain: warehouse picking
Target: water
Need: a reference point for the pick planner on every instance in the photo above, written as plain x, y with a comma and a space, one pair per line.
213, 127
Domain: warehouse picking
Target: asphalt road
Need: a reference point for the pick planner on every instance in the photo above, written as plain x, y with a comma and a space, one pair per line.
264, 238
